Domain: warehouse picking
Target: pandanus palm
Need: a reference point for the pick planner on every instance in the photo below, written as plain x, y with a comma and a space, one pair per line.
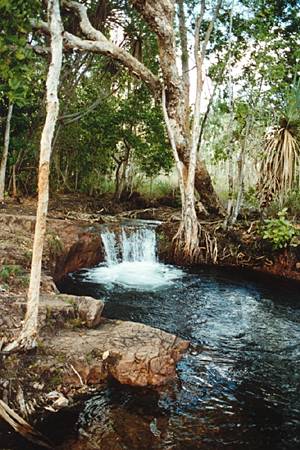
279, 171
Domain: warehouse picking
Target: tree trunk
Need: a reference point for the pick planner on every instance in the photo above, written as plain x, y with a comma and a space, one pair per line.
241, 174
230, 188
121, 175
238, 204
27, 338
184, 63
5, 152
206, 190
14, 182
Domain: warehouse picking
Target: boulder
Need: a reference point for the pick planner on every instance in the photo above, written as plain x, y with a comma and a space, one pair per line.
87, 309
87, 251
90, 310
132, 353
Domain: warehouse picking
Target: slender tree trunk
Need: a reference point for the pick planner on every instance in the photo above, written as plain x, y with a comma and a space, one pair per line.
230, 148
5, 152
230, 178
241, 174
27, 338
14, 182
238, 203
185, 76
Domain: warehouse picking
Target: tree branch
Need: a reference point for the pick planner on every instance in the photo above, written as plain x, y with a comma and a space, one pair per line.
73, 117
98, 43
210, 28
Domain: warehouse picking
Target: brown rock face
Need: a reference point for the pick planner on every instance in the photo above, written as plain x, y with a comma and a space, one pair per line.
86, 252
90, 310
132, 353
143, 356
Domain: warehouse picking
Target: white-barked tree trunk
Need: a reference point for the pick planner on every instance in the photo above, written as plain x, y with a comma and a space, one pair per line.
5, 152
27, 338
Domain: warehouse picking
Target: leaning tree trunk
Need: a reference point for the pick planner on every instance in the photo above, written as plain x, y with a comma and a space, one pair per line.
27, 338
206, 190
203, 183
5, 152
160, 17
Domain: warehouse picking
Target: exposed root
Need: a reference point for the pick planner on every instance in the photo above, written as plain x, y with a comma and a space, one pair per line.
193, 244
22, 343
22, 427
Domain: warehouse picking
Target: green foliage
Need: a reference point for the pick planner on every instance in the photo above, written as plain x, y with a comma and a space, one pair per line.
8, 271
250, 197
279, 232
291, 203
16, 58
125, 122
156, 189
11, 274
292, 104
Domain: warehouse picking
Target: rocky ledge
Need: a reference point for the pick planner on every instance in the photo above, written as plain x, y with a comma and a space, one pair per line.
72, 357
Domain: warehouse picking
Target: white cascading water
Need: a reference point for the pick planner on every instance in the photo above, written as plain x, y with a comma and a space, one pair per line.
130, 259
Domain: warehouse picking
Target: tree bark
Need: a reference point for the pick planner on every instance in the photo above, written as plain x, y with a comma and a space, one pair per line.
241, 174
14, 182
185, 76
160, 17
27, 338
5, 152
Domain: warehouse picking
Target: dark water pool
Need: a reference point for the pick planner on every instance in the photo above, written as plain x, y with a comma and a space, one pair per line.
238, 385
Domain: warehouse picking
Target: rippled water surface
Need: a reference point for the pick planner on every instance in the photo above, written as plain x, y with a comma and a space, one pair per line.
238, 385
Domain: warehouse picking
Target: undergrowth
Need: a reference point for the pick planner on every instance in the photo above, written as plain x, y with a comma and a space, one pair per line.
280, 232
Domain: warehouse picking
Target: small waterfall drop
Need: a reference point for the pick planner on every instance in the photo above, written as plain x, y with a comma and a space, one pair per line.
129, 244
130, 258
110, 247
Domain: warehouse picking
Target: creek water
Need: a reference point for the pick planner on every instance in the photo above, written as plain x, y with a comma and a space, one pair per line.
238, 385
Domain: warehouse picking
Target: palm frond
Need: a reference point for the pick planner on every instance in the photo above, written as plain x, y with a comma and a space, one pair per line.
280, 165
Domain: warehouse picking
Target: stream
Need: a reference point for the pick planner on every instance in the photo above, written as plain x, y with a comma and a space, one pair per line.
238, 385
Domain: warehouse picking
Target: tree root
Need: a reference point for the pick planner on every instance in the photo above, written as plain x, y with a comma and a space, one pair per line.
22, 427
22, 343
193, 244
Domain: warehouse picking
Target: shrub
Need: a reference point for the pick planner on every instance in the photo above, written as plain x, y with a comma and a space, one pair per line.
251, 198
291, 203
8, 271
279, 232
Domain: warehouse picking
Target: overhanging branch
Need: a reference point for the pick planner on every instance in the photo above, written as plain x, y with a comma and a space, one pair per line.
96, 42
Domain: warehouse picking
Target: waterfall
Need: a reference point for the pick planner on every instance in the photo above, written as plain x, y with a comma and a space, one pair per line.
110, 247
130, 259
129, 244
